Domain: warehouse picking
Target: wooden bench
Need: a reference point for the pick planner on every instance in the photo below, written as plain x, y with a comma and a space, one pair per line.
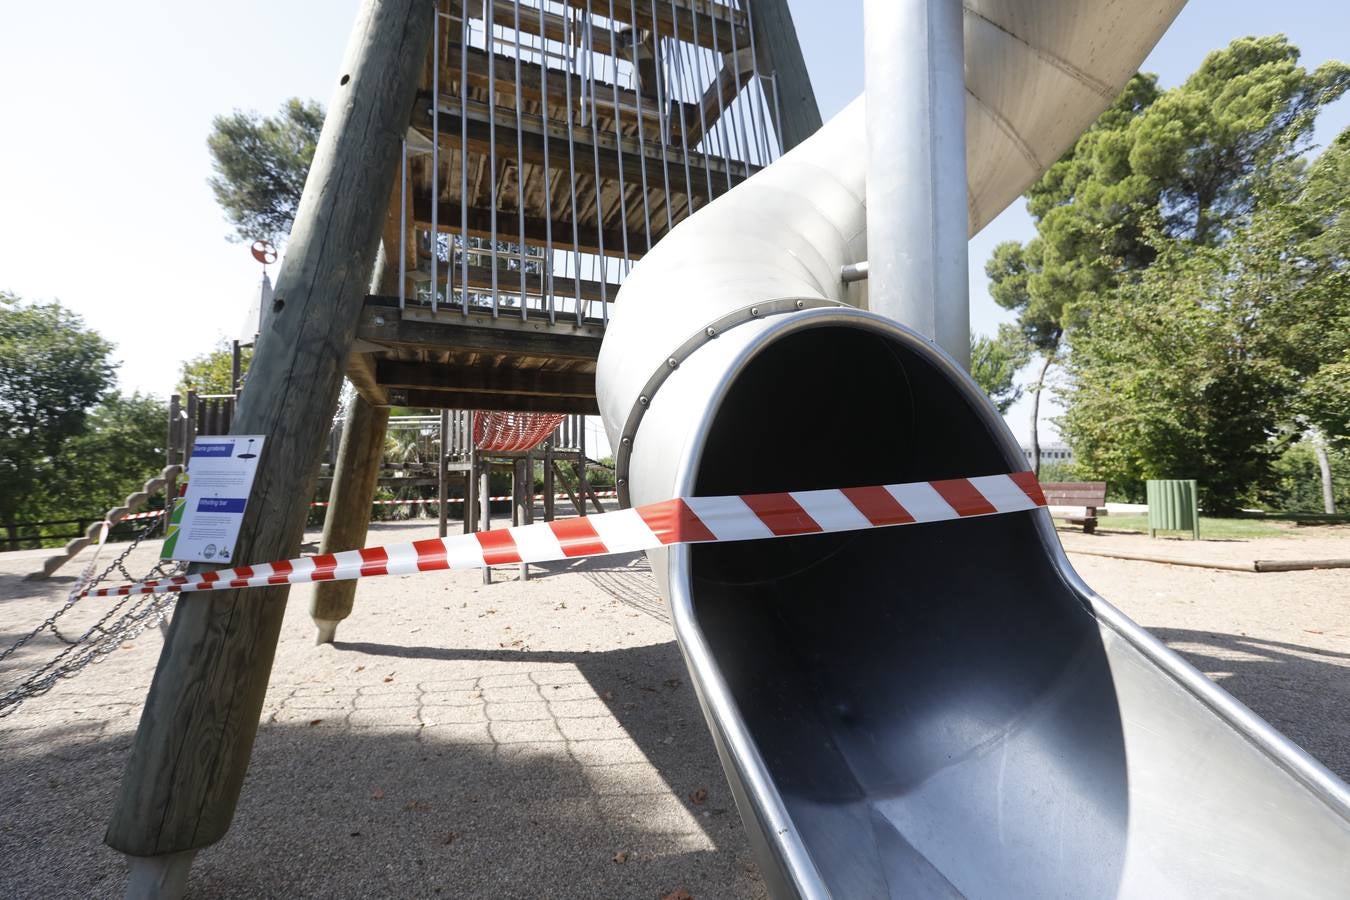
1091, 495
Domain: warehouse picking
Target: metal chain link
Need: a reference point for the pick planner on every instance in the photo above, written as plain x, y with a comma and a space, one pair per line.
101, 638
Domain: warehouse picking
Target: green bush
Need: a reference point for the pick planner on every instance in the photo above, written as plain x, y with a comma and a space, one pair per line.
1299, 481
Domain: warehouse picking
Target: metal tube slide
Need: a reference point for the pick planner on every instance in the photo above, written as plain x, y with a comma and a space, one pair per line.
944, 709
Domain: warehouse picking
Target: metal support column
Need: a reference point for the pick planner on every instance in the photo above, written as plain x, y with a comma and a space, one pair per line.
916, 168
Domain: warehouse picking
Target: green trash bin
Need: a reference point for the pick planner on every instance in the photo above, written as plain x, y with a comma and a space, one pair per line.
1172, 506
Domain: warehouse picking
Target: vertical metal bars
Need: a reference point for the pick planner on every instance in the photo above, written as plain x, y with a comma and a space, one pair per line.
403, 226
463, 160
520, 165
568, 39
641, 124
663, 115
546, 271
595, 155
618, 135
435, 146
489, 44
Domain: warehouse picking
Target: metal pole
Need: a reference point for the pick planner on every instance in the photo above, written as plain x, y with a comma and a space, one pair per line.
568, 40
917, 222
546, 273
435, 148
662, 116
442, 476
464, 160
489, 44
618, 130
520, 161
641, 123
721, 125
589, 45
403, 226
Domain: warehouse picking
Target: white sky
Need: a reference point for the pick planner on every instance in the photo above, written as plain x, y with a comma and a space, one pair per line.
106, 107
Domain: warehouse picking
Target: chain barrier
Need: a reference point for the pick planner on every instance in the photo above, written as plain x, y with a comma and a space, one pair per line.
104, 636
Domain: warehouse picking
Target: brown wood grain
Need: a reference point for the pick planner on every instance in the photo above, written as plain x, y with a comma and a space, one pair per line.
191, 751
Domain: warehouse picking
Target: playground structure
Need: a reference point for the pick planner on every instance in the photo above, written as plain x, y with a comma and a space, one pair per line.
942, 710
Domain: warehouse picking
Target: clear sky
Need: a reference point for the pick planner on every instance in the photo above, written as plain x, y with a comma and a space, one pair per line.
106, 107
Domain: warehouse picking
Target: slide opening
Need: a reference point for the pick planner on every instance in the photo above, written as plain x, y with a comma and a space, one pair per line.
932, 702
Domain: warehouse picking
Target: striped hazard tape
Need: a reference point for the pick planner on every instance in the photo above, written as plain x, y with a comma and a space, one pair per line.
412, 501
688, 520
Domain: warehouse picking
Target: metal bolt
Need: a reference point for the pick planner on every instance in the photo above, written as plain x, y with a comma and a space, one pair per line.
623, 482
673, 362
754, 310
712, 332
627, 442
644, 401
801, 304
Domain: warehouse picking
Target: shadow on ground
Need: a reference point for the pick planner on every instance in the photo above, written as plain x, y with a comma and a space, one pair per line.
526, 781
1303, 692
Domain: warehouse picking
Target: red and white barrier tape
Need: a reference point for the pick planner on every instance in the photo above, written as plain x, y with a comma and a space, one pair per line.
681, 521
432, 501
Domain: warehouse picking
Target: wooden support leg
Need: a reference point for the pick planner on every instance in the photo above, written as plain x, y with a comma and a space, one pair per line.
522, 492
485, 506
443, 478
192, 748
349, 503
577, 504
548, 482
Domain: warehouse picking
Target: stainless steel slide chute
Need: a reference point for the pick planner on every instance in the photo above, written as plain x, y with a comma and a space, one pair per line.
936, 709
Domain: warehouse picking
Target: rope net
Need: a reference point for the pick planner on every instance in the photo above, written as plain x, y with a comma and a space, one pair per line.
512, 432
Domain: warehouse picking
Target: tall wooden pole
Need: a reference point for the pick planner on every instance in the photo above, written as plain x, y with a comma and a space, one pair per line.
196, 734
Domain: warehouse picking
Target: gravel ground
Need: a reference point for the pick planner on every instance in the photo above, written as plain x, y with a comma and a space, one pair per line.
529, 739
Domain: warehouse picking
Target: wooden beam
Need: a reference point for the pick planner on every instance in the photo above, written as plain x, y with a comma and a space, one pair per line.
776, 42
191, 751
533, 132
384, 324
397, 374
505, 402
630, 105
735, 74
361, 373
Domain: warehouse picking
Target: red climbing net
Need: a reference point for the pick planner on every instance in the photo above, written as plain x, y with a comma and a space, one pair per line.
508, 432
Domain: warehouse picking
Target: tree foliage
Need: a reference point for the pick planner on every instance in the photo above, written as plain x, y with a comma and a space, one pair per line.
53, 369
1184, 253
210, 372
260, 164
121, 447
994, 363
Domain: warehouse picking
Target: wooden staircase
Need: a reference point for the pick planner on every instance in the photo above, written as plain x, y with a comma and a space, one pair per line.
132, 503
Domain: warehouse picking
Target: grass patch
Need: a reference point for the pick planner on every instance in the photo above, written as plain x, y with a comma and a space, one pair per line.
1217, 529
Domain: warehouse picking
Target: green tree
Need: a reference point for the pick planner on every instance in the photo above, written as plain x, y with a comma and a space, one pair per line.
210, 372
260, 165
994, 363
53, 369
121, 447
1186, 165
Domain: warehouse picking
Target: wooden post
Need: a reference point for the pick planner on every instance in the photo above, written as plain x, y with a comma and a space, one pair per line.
355, 475
485, 503
522, 492
192, 749
443, 476
548, 480
471, 493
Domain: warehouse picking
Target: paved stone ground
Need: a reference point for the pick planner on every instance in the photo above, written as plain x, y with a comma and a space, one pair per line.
513, 740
